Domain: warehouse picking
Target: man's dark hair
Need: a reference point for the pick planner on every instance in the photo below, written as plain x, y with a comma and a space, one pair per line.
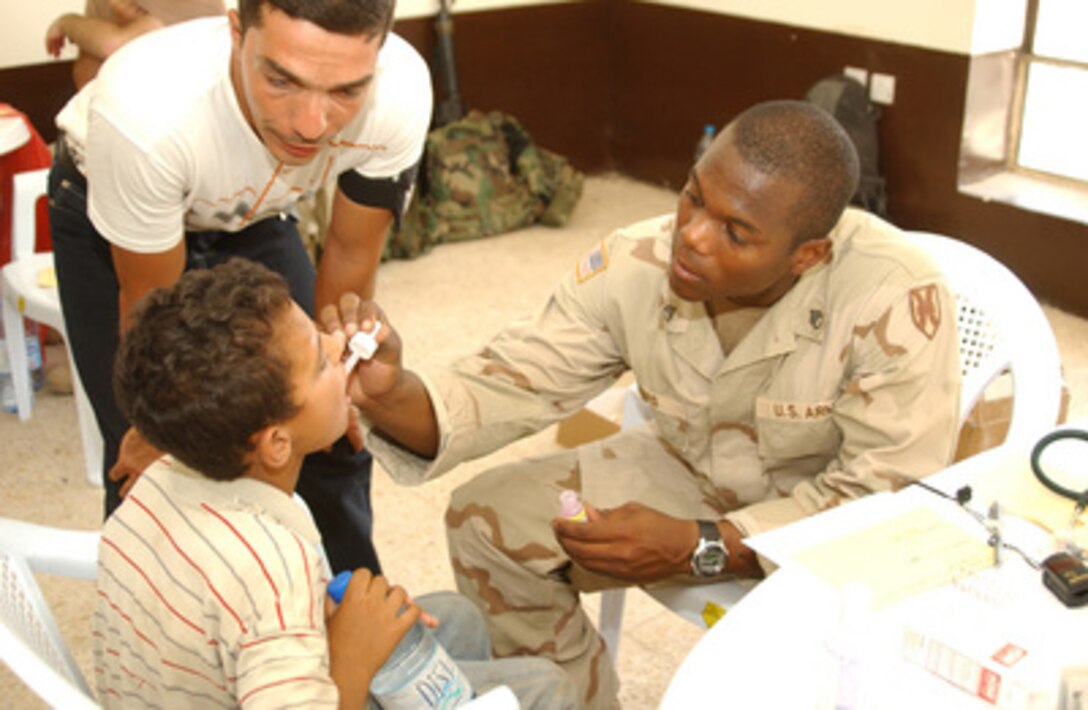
801, 142
199, 372
372, 18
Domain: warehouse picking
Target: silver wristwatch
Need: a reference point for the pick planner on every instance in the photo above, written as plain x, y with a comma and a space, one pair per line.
710, 556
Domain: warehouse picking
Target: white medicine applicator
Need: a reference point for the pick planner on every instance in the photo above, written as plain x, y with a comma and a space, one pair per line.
362, 346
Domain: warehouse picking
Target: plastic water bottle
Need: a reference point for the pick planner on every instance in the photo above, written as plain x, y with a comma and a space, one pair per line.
7, 387
704, 141
34, 364
419, 674
34, 355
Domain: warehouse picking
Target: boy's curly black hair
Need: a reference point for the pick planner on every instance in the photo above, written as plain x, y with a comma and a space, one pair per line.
198, 373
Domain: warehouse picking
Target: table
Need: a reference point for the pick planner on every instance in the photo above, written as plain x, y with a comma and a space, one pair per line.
772, 649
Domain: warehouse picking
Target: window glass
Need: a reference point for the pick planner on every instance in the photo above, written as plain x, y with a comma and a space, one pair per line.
1061, 28
1052, 137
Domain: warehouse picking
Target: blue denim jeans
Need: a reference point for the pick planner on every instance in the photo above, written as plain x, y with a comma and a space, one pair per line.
335, 484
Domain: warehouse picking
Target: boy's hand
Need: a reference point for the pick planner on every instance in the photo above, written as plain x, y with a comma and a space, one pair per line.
363, 631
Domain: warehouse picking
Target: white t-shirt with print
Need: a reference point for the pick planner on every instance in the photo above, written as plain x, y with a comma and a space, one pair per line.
165, 146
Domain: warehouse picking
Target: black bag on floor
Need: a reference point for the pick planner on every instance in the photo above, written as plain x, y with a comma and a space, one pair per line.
846, 100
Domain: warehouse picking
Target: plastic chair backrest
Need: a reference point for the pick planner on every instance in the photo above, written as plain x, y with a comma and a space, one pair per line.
1001, 329
31, 645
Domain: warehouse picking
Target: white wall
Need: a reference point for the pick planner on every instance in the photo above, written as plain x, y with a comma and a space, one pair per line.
22, 30
22, 33
958, 26
429, 8
932, 24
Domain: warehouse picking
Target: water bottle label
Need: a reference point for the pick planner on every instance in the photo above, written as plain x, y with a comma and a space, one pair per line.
441, 684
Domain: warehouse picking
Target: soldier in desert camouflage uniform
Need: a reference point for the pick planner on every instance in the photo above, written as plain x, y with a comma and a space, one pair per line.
795, 356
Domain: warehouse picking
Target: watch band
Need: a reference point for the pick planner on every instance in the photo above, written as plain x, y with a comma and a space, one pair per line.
711, 556
708, 531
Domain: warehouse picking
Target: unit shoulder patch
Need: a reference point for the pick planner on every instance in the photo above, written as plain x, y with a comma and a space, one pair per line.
925, 309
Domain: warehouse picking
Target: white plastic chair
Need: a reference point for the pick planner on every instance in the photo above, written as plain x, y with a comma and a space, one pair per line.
1001, 328
30, 642
23, 297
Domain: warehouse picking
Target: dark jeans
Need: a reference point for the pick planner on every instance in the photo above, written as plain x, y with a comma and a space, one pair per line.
336, 485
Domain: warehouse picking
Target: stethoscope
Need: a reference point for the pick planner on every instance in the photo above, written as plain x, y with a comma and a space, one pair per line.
1079, 497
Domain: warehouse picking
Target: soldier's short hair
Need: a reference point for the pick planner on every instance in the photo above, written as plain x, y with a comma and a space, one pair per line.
372, 18
200, 370
802, 143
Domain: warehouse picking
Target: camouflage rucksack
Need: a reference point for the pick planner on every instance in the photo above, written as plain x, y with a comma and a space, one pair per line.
482, 175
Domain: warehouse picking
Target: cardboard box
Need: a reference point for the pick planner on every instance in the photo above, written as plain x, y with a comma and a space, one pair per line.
988, 422
973, 651
599, 419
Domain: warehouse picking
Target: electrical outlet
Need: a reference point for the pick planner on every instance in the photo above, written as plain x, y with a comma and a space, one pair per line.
858, 74
882, 89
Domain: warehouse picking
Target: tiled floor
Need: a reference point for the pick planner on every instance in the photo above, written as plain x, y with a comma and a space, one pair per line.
444, 304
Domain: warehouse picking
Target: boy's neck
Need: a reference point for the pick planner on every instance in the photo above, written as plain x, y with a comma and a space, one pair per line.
284, 479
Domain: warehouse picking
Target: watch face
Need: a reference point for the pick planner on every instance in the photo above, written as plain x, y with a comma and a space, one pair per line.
711, 560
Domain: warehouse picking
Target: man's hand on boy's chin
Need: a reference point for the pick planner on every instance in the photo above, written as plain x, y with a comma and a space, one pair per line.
134, 456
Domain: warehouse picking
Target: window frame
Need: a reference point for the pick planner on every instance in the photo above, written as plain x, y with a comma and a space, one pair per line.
1025, 58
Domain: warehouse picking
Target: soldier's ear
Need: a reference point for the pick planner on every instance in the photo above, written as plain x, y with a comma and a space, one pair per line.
809, 253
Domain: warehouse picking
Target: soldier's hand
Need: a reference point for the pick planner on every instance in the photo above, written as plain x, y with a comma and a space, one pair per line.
632, 542
372, 378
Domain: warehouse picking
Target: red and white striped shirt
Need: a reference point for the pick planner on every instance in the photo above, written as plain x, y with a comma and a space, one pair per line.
210, 594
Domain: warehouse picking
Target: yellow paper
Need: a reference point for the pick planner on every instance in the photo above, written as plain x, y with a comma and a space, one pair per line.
1011, 482
906, 555
712, 613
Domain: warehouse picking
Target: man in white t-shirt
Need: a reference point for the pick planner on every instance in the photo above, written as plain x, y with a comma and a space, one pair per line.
192, 145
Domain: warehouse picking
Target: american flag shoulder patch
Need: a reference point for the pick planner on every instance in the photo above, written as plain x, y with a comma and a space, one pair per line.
592, 264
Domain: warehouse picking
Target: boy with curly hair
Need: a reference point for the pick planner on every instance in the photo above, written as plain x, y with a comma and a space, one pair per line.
211, 588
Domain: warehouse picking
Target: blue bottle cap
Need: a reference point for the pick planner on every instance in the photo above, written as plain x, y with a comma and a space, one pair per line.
338, 585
